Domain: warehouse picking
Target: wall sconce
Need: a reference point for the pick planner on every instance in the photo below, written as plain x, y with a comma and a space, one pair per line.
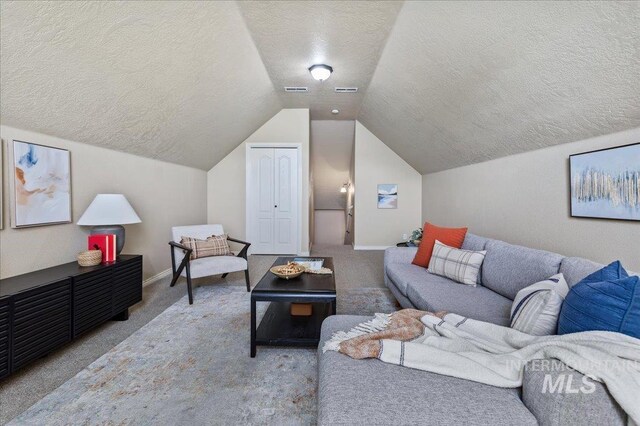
344, 188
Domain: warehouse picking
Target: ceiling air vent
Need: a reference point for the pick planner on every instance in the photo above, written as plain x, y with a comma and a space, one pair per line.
346, 89
295, 89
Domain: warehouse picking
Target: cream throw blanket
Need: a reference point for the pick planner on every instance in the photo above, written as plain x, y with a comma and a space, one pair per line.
487, 353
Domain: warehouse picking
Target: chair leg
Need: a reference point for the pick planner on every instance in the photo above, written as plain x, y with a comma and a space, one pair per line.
189, 288
190, 291
225, 275
246, 277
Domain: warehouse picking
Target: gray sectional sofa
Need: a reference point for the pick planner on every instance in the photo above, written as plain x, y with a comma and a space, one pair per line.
370, 392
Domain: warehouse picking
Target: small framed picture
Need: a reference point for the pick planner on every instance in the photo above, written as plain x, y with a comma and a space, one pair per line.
41, 185
605, 184
387, 196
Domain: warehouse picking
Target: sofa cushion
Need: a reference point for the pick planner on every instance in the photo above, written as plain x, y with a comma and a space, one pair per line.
462, 266
403, 273
575, 269
400, 298
509, 268
453, 237
536, 308
370, 392
563, 407
441, 294
474, 242
608, 305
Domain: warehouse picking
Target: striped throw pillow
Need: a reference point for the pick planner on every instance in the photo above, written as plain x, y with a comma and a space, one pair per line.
462, 266
536, 308
215, 245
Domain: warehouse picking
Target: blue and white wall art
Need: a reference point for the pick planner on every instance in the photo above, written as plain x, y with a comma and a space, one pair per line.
42, 185
606, 183
387, 196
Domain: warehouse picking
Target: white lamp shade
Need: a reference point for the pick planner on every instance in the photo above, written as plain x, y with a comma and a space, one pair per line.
109, 209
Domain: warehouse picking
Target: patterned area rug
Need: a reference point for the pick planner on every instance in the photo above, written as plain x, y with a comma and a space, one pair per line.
191, 365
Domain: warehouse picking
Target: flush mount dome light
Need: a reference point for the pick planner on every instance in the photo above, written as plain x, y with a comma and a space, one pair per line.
320, 72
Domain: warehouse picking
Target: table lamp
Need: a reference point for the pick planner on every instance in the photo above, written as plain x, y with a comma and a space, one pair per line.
107, 213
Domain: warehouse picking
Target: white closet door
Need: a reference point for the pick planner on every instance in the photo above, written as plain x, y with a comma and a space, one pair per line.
261, 199
272, 202
286, 201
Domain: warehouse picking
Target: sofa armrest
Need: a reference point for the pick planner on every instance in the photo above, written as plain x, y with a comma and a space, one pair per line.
558, 395
399, 255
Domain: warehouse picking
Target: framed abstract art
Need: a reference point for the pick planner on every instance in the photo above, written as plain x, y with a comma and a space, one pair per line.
387, 196
605, 183
41, 177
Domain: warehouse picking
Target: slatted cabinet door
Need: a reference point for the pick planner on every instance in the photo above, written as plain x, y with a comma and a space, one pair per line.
41, 321
4, 337
127, 288
91, 299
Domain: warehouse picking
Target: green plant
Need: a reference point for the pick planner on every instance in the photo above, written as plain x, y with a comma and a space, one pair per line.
416, 235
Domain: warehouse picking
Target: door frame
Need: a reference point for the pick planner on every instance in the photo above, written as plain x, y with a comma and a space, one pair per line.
298, 148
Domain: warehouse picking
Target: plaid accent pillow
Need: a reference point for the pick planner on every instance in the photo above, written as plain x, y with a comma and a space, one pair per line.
536, 308
215, 245
462, 266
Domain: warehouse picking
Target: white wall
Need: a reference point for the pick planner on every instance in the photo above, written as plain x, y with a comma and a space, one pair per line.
162, 194
376, 163
329, 228
331, 149
349, 212
524, 199
226, 181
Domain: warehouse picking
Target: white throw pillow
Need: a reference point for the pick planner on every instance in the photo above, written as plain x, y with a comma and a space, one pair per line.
462, 266
536, 308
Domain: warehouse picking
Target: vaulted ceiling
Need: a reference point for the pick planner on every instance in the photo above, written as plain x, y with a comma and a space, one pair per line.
348, 35
177, 81
444, 84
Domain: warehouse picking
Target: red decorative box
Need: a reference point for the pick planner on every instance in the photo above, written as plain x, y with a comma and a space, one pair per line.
106, 243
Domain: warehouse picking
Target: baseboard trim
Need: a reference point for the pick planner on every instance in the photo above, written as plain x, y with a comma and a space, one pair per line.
156, 277
355, 247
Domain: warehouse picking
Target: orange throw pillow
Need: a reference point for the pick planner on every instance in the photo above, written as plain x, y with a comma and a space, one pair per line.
452, 237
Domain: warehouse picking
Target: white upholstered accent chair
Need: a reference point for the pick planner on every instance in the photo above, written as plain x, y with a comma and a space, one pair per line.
183, 265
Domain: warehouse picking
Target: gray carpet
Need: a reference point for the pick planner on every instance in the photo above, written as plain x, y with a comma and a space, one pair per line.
355, 271
191, 365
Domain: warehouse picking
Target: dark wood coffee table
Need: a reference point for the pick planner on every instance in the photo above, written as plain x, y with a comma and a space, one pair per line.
278, 327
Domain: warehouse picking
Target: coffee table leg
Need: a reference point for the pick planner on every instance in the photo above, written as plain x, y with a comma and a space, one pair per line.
253, 328
333, 307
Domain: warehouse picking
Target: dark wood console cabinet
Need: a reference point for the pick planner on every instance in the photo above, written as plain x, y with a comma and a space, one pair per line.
42, 310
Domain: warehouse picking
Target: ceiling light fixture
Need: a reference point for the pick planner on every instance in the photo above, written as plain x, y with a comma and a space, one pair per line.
335, 111
320, 72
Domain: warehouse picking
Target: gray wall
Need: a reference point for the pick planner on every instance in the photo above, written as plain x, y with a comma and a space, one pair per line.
524, 199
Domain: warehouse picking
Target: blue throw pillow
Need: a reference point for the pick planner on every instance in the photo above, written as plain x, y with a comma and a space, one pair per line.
608, 299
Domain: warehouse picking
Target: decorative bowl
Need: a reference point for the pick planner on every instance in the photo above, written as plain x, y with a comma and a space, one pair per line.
291, 270
89, 258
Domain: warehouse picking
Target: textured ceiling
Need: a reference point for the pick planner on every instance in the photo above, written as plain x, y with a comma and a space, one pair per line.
348, 35
176, 81
444, 84
464, 82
